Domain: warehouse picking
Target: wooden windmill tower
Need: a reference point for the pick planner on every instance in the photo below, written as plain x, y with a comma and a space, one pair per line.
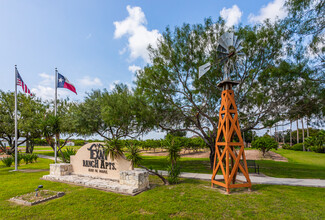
226, 158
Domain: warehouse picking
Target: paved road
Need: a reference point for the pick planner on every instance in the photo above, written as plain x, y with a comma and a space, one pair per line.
255, 178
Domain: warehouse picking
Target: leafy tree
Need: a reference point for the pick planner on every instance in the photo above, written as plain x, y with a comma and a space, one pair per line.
62, 124
264, 144
29, 112
306, 19
112, 115
179, 101
316, 143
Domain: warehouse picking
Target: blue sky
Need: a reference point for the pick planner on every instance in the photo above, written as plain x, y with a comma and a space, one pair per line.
96, 43
79, 37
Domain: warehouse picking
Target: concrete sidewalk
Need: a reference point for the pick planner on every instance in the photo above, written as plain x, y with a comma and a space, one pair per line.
258, 179
48, 157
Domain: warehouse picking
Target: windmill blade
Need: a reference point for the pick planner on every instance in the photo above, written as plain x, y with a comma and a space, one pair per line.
226, 37
235, 40
203, 69
222, 50
241, 54
239, 48
231, 39
223, 44
238, 43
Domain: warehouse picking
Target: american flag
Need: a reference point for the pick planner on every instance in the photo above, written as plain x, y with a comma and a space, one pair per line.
21, 83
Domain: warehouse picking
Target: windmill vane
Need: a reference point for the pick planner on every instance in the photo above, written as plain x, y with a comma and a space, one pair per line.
228, 53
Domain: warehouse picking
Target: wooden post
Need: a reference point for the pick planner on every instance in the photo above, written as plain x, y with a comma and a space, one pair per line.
228, 128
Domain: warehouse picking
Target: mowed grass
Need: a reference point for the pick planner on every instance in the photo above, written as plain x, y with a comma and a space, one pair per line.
306, 165
301, 165
191, 199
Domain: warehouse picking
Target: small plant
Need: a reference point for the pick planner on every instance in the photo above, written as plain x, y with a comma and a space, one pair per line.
134, 155
19, 158
174, 147
67, 153
114, 148
27, 158
173, 173
297, 147
8, 161
316, 143
34, 157
287, 147
265, 144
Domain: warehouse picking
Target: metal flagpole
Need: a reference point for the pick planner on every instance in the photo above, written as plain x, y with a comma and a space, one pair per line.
55, 107
16, 150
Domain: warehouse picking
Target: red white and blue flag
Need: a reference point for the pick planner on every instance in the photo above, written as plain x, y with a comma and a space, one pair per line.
63, 82
21, 83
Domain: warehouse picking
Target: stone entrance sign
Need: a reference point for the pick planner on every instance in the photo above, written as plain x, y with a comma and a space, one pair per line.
91, 160
91, 167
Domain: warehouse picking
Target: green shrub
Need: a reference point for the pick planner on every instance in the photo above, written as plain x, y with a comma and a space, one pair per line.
40, 142
19, 158
316, 143
318, 149
297, 147
67, 153
28, 158
265, 144
8, 161
79, 142
287, 147
173, 173
34, 157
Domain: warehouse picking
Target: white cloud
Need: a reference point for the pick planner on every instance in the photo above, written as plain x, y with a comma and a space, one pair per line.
45, 89
272, 11
44, 92
112, 85
134, 68
88, 81
231, 15
139, 37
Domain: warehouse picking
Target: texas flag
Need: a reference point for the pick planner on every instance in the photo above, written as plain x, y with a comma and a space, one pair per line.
63, 82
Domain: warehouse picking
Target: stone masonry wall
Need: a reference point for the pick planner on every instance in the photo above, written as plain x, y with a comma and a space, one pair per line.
60, 169
135, 178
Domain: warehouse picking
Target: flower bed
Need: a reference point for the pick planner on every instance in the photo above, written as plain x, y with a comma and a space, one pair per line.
30, 199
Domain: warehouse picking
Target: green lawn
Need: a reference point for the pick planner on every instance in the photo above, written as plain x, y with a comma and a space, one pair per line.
191, 199
301, 165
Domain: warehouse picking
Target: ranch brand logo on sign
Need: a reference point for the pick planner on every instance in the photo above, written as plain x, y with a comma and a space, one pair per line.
98, 159
91, 160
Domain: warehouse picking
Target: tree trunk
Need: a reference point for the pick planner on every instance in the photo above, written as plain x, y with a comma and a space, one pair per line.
303, 134
290, 133
297, 132
211, 157
283, 134
244, 139
58, 147
307, 127
157, 174
275, 133
27, 147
